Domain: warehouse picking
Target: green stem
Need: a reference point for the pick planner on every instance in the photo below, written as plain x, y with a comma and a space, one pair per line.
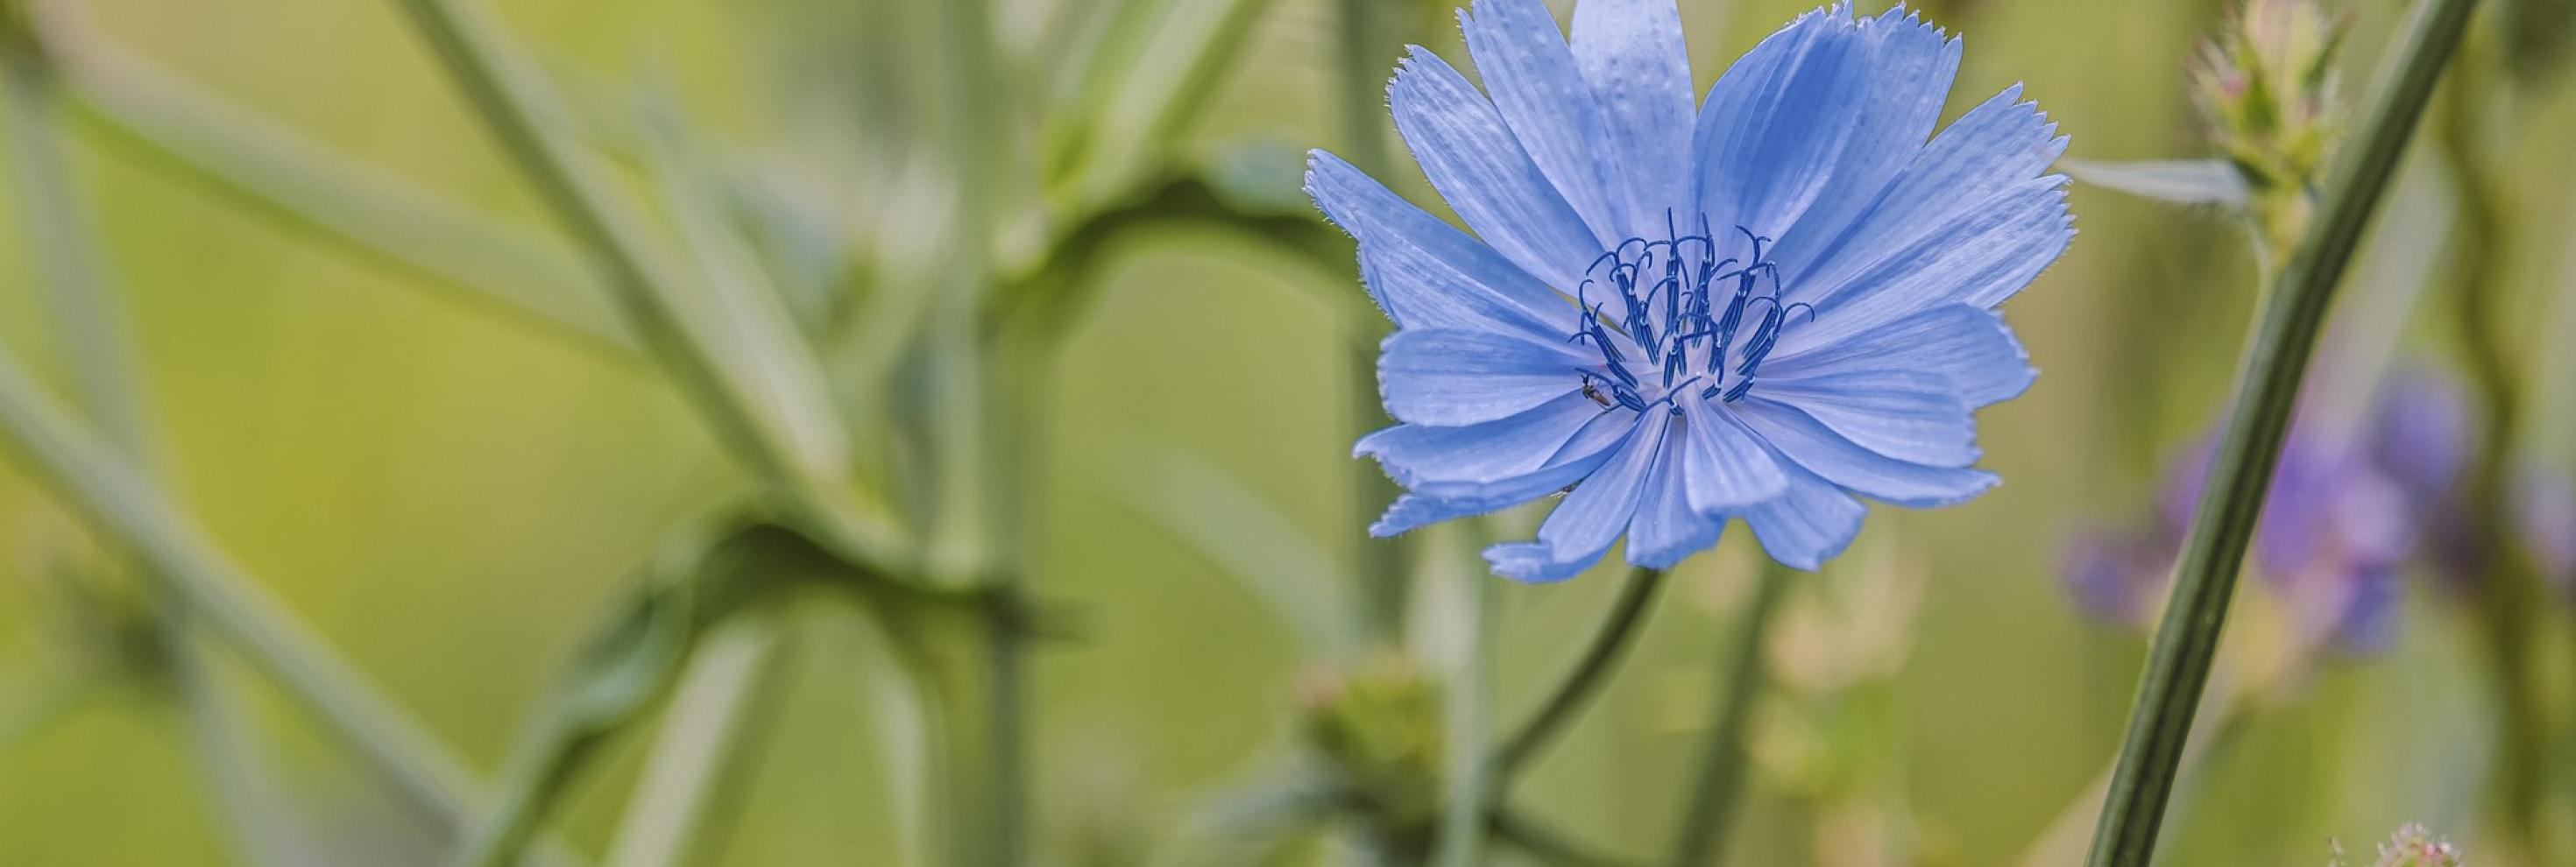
120, 504
1723, 761
676, 813
1366, 48
1611, 638
84, 302
970, 689
506, 99
2178, 663
543, 768
1474, 781
1543, 843
2510, 594
304, 185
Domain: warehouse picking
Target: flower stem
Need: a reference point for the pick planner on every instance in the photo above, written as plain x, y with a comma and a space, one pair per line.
760, 434
1543, 843
1611, 638
726, 694
1475, 782
2510, 595
2178, 664
117, 502
1723, 760
1366, 49
168, 124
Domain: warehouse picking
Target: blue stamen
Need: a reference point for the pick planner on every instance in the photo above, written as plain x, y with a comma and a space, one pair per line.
1666, 291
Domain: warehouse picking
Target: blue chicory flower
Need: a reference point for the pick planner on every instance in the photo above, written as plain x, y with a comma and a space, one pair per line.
1759, 306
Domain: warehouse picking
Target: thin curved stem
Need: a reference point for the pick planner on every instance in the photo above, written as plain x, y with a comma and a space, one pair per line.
1610, 639
766, 437
2178, 664
119, 503
1544, 843
1723, 762
168, 123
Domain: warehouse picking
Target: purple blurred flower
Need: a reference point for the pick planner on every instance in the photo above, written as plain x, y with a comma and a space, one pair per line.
2546, 506
2347, 512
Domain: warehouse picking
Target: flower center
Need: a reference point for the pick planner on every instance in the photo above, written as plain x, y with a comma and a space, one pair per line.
1703, 320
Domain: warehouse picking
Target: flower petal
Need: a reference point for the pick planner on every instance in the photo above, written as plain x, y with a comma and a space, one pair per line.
1912, 64
1968, 346
1809, 443
1994, 148
1529, 71
1666, 528
1902, 414
1726, 465
1590, 519
1777, 121
1979, 258
1633, 55
1423, 272
1809, 524
1458, 378
1503, 449
1434, 501
1479, 168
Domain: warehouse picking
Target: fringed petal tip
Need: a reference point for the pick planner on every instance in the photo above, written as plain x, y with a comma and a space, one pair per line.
1534, 562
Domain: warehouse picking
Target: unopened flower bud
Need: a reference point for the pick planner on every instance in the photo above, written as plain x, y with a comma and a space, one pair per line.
2267, 84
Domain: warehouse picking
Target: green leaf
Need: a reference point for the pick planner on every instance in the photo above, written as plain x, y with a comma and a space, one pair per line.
1249, 541
2183, 182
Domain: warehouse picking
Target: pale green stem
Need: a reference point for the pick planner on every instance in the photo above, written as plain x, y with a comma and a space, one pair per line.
186, 563
975, 537
1366, 51
1587, 674
506, 99
103, 363
689, 780
2178, 663
308, 186
1723, 760
1543, 843
1474, 787
542, 767
2510, 593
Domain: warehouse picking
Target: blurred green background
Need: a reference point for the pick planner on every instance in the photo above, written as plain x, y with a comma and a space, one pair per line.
450, 496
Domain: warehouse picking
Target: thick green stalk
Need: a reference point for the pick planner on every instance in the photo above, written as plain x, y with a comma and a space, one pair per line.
1723, 759
1589, 672
1367, 47
975, 531
763, 436
2177, 669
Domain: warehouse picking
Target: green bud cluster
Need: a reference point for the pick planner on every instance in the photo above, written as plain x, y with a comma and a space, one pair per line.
2268, 87
1378, 726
